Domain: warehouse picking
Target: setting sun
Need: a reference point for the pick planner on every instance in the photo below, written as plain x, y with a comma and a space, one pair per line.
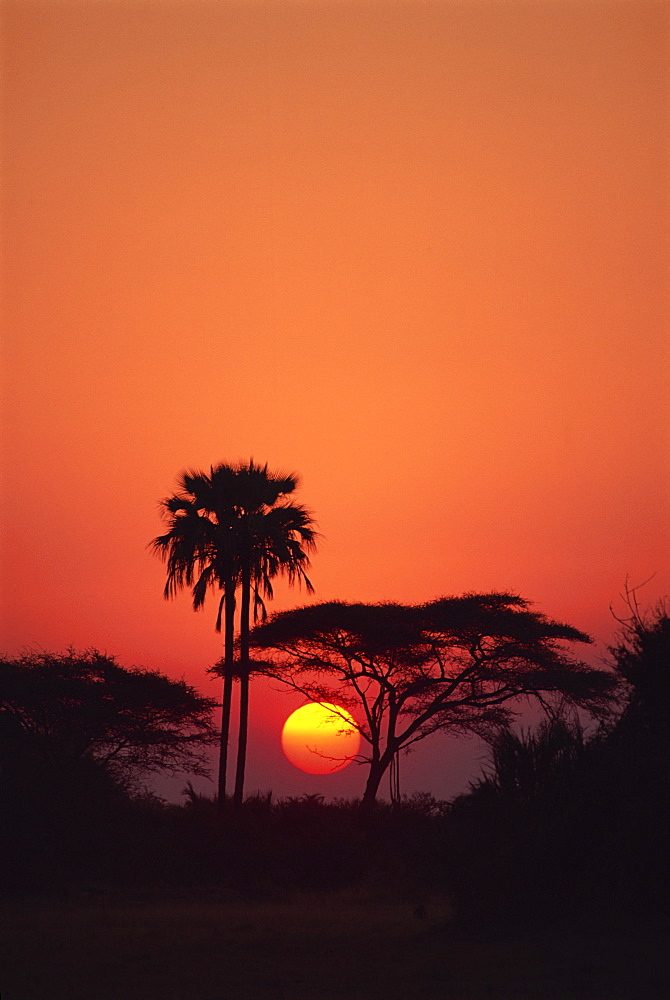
320, 738
424, 248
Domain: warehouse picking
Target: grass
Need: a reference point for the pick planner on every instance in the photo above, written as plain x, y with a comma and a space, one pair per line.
322, 946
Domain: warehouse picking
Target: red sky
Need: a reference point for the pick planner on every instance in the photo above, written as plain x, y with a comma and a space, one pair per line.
416, 251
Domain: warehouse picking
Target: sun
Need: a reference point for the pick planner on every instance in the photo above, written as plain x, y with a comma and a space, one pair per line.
320, 738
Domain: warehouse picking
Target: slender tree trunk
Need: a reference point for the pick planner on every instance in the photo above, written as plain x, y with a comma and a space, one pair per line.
242, 737
228, 666
377, 769
245, 613
394, 779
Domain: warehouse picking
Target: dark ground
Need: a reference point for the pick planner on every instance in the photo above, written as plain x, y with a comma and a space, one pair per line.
319, 946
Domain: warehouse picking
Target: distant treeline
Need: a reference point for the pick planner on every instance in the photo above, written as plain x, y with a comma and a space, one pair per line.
560, 820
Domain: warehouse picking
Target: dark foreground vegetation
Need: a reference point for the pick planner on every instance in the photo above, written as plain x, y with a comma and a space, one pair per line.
493, 895
548, 879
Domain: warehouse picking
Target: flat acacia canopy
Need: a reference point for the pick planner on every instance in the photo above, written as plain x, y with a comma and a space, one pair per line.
455, 663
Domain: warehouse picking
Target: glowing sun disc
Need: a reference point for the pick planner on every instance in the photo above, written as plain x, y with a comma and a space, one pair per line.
320, 738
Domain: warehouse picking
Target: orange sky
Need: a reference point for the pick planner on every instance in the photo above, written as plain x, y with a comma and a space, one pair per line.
417, 252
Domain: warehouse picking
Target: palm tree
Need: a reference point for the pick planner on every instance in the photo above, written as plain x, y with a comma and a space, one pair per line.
230, 530
199, 548
274, 540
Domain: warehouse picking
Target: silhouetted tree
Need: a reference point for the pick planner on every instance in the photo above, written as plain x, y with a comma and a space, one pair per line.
637, 752
74, 711
458, 664
641, 657
227, 530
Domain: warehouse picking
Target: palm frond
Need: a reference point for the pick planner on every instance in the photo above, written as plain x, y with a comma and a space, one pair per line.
232, 516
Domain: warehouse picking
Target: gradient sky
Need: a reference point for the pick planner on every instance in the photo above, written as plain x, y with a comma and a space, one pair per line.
416, 252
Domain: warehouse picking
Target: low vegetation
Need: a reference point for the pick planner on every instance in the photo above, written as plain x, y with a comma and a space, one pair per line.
549, 878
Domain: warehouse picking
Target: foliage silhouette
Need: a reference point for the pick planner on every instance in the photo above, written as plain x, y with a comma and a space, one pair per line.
459, 664
637, 751
79, 709
641, 657
566, 823
561, 827
231, 529
562, 823
527, 767
78, 735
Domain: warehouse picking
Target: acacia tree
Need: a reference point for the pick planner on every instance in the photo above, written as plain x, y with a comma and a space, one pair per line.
75, 710
227, 530
457, 664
